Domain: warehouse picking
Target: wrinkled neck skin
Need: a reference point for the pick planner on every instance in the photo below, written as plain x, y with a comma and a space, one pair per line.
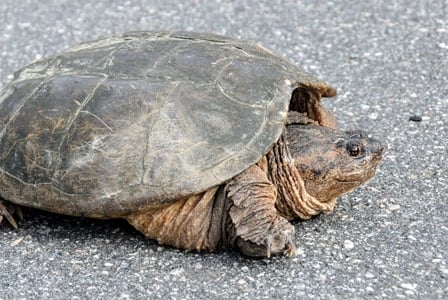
293, 199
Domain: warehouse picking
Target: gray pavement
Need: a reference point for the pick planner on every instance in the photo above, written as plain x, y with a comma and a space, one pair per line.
387, 240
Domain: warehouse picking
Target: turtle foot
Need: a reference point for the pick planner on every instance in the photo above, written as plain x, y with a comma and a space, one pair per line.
277, 238
8, 210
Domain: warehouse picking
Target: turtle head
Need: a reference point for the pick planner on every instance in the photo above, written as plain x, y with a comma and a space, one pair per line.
332, 162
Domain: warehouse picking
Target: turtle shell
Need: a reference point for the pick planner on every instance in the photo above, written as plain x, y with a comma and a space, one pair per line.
124, 123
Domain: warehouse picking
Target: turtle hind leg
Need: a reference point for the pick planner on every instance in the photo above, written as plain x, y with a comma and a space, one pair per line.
8, 210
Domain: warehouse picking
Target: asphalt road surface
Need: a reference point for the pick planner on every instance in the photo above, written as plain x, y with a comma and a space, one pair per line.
387, 240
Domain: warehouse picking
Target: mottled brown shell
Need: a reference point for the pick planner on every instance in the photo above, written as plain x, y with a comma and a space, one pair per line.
121, 124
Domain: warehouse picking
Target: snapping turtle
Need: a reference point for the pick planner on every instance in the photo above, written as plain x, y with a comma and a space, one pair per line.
200, 141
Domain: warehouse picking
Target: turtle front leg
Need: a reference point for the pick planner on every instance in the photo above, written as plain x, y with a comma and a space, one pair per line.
7, 210
254, 226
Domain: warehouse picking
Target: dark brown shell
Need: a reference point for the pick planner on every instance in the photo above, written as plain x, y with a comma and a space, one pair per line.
128, 122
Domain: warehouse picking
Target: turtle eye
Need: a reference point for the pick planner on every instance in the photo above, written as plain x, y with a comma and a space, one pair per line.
354, 149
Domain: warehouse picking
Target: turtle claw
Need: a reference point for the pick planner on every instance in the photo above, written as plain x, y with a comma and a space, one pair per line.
7, 211
291, 249
268, 246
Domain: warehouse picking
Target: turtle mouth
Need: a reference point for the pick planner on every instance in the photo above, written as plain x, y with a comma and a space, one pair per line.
358, 171
358, 176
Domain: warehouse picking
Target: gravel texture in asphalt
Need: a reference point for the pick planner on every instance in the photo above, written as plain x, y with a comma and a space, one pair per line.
386, 240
